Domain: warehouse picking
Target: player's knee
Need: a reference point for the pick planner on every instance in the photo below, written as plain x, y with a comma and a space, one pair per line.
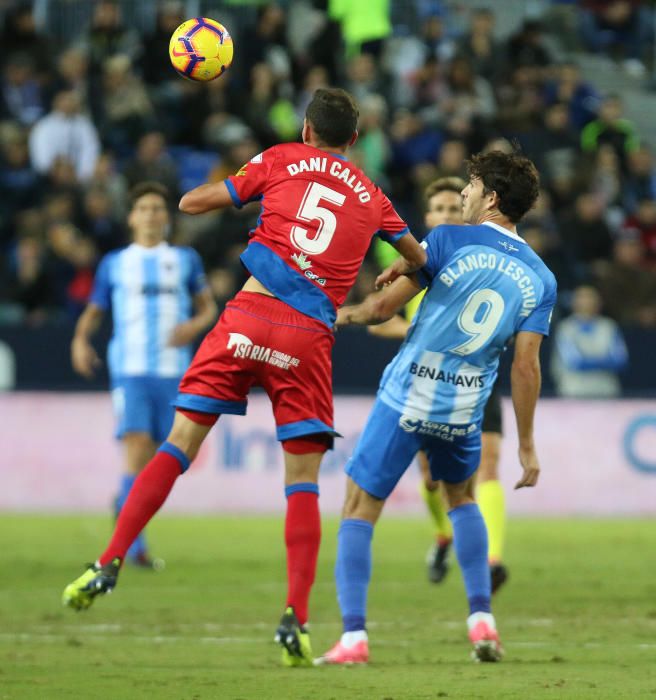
459, 494
187, 435
359, 505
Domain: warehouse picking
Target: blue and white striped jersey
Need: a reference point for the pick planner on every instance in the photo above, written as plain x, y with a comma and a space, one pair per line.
484, 285
149, 291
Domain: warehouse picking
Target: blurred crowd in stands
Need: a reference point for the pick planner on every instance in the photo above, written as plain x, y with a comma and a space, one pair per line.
83, 119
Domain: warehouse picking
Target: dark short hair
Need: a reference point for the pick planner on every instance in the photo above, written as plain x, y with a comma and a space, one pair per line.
149, 187
444, 184
333, 115
512, 176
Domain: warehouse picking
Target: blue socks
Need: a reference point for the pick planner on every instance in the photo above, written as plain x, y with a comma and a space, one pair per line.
470, 542
353, 571
138, 547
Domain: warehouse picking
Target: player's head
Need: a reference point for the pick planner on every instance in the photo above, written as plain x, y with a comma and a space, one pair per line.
444, 202
501, 185
331, 119
149, 217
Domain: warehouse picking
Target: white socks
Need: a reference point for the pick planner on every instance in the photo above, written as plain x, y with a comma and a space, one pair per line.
350, 639
477, 617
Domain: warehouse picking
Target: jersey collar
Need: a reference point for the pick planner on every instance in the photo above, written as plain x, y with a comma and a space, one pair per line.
505, 231
149, 249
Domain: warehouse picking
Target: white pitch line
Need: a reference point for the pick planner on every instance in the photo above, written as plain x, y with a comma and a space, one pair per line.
260, 640
212, 627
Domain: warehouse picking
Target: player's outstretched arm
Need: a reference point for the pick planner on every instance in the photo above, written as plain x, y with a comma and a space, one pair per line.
84, 358
206, 198
413, 258
206, 313
379, 306
396, 328
526, 378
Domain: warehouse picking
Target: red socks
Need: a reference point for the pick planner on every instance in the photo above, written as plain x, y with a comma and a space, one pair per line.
302, 537
146, 497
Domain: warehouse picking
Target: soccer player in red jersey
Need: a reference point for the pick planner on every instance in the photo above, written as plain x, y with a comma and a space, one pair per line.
319, 214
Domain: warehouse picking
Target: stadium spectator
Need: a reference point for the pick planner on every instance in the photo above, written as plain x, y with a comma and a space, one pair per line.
268, 113
21, 93
107, 176
580, 97
152, 163
620, 28
26, 281
126, 111
154, 62
480, 46
66, 132
467, 105
363, 77
265, 42
628, 289
364, 25
553, 146
527, 49
73, 74
20, 36
643, 222
589, 350
20, 185
371, 151
108, 36
640, 180
585, 234
99, 221
612, 128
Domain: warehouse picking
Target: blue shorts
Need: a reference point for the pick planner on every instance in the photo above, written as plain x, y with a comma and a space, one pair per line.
143, 405
390, 441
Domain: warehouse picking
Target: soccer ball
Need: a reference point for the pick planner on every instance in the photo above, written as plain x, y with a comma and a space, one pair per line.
201, 49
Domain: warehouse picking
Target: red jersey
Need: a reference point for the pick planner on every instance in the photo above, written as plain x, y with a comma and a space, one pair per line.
319, 214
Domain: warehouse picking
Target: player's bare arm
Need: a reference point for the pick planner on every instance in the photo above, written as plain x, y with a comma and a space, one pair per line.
206, 313
413, 257
84, 358
526, 379
396, 328
380, 306
206, 198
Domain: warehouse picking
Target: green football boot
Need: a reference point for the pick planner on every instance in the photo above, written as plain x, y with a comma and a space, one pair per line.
94, 581
295, 641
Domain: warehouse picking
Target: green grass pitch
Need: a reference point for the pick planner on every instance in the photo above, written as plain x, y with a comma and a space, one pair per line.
577, 618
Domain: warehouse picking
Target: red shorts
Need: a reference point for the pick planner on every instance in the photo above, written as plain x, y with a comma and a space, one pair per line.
261, 341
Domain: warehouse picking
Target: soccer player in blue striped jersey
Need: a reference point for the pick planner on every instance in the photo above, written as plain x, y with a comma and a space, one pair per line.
160, 303
484, 286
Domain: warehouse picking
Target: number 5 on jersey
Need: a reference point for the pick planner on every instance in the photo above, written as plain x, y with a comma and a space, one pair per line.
310, 211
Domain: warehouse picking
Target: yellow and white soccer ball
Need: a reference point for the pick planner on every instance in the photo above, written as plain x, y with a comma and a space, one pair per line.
201, 49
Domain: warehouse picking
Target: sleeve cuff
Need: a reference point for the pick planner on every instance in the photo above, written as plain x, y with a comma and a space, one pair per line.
394, 236
233, 193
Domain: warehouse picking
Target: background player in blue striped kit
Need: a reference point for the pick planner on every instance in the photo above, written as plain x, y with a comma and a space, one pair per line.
160, 303
484, 286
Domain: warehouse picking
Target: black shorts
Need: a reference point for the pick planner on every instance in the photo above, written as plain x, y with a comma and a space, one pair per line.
492, 420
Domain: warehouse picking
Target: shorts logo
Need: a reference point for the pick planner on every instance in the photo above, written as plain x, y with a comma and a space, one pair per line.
444, 431
240, 343
410, 425
244, 347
